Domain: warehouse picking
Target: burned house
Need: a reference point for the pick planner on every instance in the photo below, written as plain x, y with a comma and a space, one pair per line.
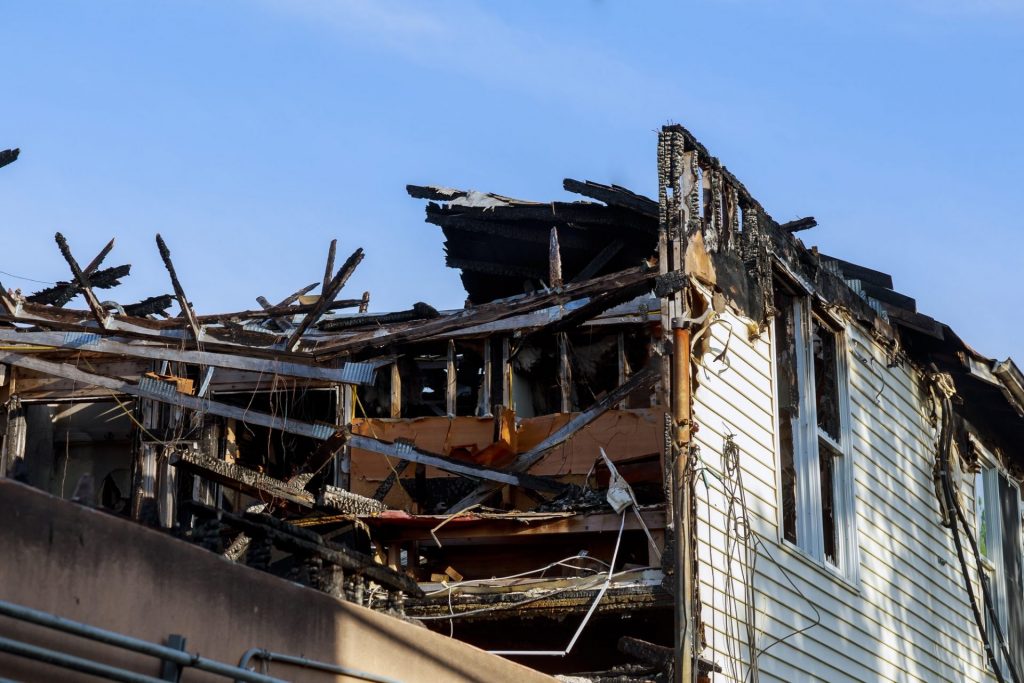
663, 440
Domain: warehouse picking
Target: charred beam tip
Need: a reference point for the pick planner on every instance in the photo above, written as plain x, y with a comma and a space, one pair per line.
9, 156
165, 253
800, 224
424, 310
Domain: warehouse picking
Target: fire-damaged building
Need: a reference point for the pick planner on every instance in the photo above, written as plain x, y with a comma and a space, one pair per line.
663, 441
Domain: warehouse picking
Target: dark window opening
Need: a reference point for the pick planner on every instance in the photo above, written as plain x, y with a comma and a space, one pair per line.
826, 386
788, 398
826, 463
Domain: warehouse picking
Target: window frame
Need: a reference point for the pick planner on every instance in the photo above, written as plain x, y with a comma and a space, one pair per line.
993, 562
806, 456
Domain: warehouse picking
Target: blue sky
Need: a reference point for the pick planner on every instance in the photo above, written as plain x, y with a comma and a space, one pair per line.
251, 133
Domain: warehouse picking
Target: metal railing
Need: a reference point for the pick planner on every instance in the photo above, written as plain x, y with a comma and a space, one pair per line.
67, 661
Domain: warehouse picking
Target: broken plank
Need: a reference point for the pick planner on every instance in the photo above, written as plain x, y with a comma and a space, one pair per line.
186, 307
97, 310
326, 298
293, 539
242, 479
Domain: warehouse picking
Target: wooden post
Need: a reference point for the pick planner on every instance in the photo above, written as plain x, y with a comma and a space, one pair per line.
396, 391
506, 374
12, 454
564, 373
485, 409
554, 261
343, 457
452, 386
624, 370
685, 627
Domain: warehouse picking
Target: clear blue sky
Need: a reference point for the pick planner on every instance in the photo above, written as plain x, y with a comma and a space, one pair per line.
251, 133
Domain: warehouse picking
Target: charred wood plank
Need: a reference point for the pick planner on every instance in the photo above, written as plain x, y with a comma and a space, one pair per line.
520, 231
293, 539
98, 312
239, 478
419, 311
613, 195
63, 292
493, 311
9, 156
154, 305
799, 224
179, 293
326, 298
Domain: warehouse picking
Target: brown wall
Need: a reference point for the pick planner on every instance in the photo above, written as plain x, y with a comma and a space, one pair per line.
89, 566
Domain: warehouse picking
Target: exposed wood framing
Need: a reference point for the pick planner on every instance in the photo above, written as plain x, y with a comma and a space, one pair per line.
314, 431
179, 292
523, 462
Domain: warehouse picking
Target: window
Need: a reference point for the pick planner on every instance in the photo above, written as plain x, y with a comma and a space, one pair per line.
815, 473
997, 509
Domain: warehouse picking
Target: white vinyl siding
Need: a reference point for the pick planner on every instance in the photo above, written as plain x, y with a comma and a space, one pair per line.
906, 617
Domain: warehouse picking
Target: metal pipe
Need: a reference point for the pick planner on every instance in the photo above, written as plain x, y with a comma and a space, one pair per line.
260, 653
681, 395
162, 652
66, 661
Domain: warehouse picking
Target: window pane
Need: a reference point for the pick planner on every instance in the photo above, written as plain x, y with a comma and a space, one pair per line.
827, 462
787, 396
826, 386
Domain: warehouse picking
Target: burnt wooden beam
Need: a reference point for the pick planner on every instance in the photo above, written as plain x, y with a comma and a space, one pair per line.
494, 268
326, 299
385, 486
239, 478
490, 312
799, 224
331, 251
554, 261
613, 195
419, 311
150, 306
600, 260
406, 451
293, 539
166, 393
9, 156
179, 293
274, 311
63, 292
643, 379
97, 310
349, 373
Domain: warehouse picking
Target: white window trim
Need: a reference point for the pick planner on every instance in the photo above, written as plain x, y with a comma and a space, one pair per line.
992, 563
810, 534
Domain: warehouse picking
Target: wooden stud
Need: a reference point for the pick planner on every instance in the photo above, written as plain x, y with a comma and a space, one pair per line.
451, 387
554, 261
564, 373
396, 391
